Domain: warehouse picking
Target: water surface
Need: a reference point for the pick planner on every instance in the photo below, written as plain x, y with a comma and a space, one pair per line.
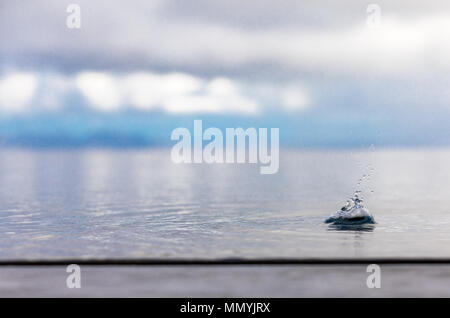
137, 203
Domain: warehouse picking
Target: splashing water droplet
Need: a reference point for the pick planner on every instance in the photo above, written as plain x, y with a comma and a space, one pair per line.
353, 212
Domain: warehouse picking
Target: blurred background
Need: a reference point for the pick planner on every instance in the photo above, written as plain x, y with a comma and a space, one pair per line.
328, 75
360, 93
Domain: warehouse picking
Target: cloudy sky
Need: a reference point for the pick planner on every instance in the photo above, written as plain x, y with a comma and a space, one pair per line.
327, 73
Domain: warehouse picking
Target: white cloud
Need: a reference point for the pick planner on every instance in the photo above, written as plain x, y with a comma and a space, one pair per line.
180, 83
148, 90
172, 92
16, 91
294, 98
221, 95
183, 93
100, 89
175, 93
222, 87
194, 104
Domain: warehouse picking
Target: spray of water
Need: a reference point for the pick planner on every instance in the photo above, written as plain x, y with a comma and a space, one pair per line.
354, 212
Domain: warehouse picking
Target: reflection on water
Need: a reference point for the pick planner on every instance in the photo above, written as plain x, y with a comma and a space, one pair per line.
102, 203
352, 227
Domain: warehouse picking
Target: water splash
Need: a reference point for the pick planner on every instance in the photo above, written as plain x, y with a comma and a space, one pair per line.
354, 211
